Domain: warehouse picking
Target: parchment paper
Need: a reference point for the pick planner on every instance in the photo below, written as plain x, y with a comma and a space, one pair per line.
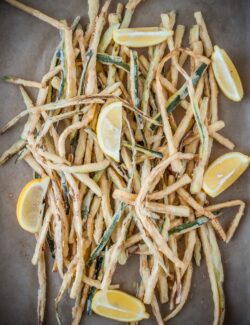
26, 47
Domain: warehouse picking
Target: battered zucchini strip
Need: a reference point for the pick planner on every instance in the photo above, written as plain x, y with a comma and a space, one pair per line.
55, 82
148, 152
12, 151
130, 8
99, 226
144, 272
91, 217
91, 84
184, 180
116, 179
67, 277
38, 14
65, 193
236, 220
198, 173
33, 164
181, 94
19, 81
212, 128
204, 33
71, 90
79, 307
111, 60
51, 74
90, 183
169, 87
42, 237
60, 208
42, 278
215, 271
108, 34
76, 286
176, 164
52, 157
197, 207
80, 169
107, 233
115, 251
134, 89
98, 268
92, 13
158, 54
185, 292
90, 195
223, 141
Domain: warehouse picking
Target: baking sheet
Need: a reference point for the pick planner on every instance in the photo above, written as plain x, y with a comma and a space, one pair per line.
26, 47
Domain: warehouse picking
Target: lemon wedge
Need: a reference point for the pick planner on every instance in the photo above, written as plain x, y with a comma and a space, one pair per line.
109, 129
118, 305
223, 172
226, 75
141, 37
30, 204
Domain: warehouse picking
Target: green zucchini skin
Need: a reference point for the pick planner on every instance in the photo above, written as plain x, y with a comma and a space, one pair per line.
60, 55
51, 244
144, 150
49, 239
107, 234
65, 193
112, 60
181, 94
196, 223
134, 75
92, 290
89, 55
90, 195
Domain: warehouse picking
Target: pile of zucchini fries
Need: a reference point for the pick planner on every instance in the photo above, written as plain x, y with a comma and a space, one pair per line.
98, 212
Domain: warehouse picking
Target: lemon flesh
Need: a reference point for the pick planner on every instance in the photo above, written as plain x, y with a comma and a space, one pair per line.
226, 75
223, 172
118, 305
109, 128
30, 204
141, 37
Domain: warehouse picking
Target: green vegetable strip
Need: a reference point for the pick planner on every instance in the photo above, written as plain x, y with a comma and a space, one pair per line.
107, 234
65, 193
49, 239
89, 197
89, 55
192, 224
93, 289
62, 84
186, 226
112, 60
75, 23
142, 149
201, 128
134, 81
75, 135
51, 244
181, 94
